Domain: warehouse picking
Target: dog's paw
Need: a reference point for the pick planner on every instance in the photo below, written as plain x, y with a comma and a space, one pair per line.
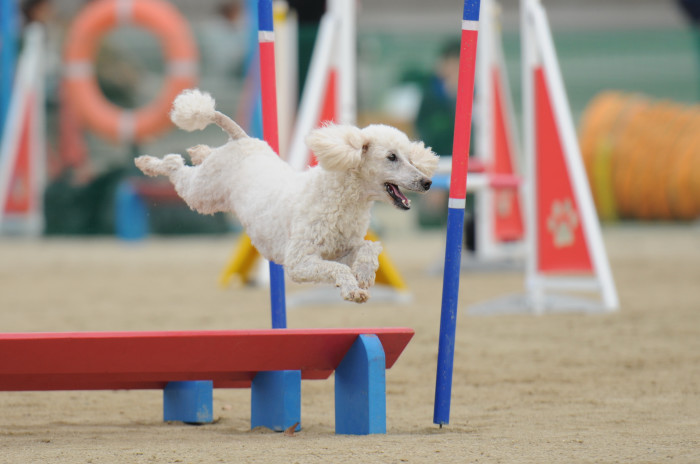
365, 280
357, 295
148, 165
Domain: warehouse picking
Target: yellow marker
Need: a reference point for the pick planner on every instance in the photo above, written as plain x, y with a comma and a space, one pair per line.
245, 256
241, 262
387, 273
603, 181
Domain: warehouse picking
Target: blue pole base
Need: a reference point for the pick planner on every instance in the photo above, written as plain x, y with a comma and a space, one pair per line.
278, 302
191, 402
448, 316
360, 389
276, 400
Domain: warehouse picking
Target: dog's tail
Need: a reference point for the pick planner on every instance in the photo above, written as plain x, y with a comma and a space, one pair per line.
195, 110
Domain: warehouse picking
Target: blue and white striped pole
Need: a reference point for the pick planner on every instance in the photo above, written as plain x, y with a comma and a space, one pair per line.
455, 214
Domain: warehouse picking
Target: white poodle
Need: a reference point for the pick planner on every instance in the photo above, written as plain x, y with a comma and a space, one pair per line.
312, 222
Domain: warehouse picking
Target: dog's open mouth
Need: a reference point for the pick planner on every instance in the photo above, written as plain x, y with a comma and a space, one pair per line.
400, 200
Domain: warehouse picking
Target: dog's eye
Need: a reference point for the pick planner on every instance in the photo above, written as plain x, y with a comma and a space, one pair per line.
391, 157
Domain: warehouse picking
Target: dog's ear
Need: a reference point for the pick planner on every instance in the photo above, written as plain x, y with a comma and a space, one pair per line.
337, 147
423, 158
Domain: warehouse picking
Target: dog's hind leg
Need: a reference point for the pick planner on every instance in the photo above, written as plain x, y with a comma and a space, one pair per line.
152, 166
184, 179
198, 153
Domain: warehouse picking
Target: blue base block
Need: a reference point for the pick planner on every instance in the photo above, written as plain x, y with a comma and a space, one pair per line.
360, 389
276, 400
130, 214
190, 402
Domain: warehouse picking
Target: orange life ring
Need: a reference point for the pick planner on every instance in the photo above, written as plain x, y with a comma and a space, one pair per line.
179, 48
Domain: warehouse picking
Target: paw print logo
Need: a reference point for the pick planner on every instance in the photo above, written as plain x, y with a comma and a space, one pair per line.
562, 222
504, 203
18, 188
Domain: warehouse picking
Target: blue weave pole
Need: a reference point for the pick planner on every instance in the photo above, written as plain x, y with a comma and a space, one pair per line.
268, 93
9, 30
275, 396
277, 297
455, 214
448, 315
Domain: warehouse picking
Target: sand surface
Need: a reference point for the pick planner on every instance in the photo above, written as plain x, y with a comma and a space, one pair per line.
558, 388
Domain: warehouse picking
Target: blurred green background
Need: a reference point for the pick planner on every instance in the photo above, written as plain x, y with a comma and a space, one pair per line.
645, 46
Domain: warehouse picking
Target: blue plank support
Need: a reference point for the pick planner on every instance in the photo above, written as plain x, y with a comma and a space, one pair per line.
360, 389
276, 400
190, 402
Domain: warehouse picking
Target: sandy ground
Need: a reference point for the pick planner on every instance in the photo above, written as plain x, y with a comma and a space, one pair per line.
622, 387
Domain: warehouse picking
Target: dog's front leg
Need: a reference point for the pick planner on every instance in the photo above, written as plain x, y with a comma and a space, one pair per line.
312, 268
364, 262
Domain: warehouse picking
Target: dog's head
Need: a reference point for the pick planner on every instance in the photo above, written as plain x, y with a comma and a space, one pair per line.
383, 157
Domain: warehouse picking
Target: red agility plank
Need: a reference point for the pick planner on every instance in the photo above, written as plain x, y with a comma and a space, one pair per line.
148, 360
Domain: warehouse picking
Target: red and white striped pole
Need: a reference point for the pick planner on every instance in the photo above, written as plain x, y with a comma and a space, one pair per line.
455, 214
268, 90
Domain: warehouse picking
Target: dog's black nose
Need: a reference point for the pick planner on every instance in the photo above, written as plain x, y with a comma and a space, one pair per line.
426, 184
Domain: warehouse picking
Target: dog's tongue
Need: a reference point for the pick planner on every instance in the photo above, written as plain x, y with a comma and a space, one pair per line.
396, 193
395, 190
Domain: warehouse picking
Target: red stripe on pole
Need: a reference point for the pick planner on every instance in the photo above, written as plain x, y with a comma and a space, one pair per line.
463, 116
561, 244
268, 90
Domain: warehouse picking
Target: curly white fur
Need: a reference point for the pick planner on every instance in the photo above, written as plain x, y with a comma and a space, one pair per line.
312, 222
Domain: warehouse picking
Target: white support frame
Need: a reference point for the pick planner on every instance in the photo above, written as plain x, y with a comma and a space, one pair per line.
29, 83
490, 57
286, 58
540, 37
538, 50
334, 48
314, 87
347, 60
